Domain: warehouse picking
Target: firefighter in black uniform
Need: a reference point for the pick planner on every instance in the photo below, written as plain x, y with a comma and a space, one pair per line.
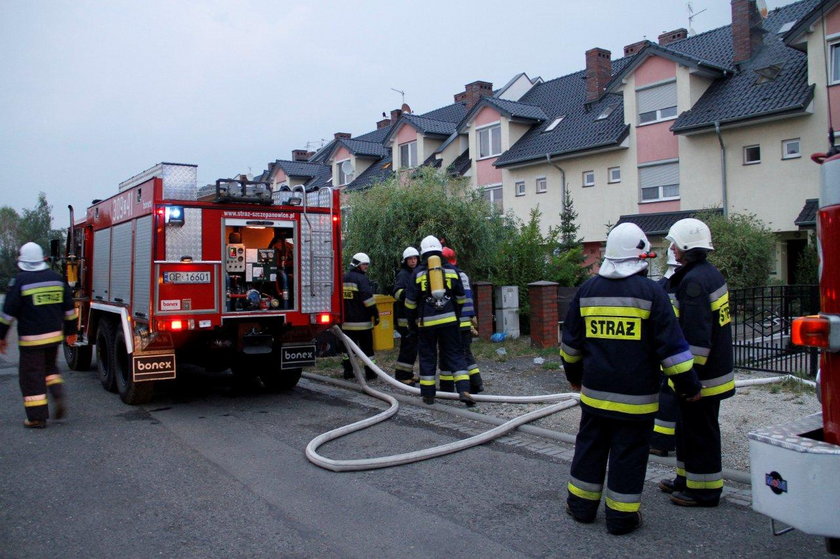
664, 425
433, 300
619, 331
360, 312
41, 302
703, 306
404, 369
447, 380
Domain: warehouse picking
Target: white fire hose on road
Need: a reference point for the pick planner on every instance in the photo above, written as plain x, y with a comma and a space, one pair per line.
358, 360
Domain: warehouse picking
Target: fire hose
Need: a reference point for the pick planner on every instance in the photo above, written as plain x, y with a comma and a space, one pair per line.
358, 360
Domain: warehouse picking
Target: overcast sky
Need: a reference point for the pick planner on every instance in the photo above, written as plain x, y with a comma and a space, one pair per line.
96, 91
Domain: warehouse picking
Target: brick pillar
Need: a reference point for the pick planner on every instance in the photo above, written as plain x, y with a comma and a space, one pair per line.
483, 302
542, 296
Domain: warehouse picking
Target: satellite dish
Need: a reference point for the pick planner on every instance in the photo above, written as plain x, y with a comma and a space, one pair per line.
405, 108
347, 170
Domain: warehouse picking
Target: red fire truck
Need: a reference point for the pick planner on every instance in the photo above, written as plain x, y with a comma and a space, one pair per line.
230, 275
796, 467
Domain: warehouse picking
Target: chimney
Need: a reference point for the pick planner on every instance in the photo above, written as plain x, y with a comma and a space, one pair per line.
670, 36
598, 72
747, 32
635, 47
395, 114
384, 123
342, 135
473, 92
301, 155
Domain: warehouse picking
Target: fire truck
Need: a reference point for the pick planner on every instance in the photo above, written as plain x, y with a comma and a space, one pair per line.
795, 468
230, 275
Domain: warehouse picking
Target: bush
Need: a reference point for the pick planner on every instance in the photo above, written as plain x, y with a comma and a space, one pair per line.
400, 211
744, 248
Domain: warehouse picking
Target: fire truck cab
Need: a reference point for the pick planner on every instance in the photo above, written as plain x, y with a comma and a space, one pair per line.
230, 275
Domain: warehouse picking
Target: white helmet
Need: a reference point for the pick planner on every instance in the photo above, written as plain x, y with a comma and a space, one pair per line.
430, 244
31, 258
626, 243
410, 251
690, 233
359, 258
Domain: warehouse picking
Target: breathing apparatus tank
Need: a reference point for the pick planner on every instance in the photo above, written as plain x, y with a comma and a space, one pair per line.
435, 271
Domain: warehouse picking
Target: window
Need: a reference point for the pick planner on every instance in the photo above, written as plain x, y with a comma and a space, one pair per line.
659, 182
589, 178
835, 64
345, 172
657, 103
408, 155
614, 174
752, 155
520, 188
493, 194
554, 123
790, 149
542, 185
489, 141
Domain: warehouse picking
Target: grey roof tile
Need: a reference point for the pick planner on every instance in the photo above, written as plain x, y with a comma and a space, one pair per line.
363, 148
516, 109
429, 125
807, 217
658, 224
580, 129
743, 96
377, 172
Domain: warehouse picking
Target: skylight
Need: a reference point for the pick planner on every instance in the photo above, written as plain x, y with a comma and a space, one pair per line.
786, 27
606, 112
554, 123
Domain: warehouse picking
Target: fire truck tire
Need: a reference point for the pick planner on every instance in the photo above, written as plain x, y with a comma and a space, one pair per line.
78, 358
104, 363
132, 393
279, 381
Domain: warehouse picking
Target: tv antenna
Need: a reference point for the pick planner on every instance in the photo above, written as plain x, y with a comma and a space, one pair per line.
401, 92
691, 15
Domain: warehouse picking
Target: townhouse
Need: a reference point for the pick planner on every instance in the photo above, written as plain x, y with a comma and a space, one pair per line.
726, 119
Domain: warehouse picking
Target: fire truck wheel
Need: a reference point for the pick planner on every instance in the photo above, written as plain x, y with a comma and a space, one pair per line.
279, 381
104, 363
131, 392
78, 357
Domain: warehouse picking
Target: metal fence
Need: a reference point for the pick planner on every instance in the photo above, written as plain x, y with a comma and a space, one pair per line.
761, 319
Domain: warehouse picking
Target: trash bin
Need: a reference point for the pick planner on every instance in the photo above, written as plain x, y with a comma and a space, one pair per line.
383, 334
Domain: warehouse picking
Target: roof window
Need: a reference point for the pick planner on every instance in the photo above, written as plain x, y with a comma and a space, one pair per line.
554, 123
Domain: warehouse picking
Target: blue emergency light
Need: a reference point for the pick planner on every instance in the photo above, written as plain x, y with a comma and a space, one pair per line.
174, 215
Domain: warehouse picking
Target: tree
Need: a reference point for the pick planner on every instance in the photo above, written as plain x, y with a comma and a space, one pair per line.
401, 210
32, 225
744, 248
571, 246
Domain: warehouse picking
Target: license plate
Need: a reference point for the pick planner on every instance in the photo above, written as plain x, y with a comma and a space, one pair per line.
297, 356
186, 277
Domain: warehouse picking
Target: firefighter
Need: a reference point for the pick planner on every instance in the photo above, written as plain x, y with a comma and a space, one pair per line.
702, 301
447, 382
662, 442
360, 312
433, 300
404, 369
619, 330
41, 302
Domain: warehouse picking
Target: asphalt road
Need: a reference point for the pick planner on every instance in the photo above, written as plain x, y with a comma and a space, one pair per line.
213, 470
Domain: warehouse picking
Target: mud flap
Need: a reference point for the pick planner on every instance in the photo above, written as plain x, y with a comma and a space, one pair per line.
153, 367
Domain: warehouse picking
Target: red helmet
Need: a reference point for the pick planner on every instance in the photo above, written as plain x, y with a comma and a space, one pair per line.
450, 256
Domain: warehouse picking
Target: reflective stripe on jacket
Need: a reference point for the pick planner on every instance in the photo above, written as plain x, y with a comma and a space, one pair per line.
42, 304
702, 298
617, 336
359, 303
427, 311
